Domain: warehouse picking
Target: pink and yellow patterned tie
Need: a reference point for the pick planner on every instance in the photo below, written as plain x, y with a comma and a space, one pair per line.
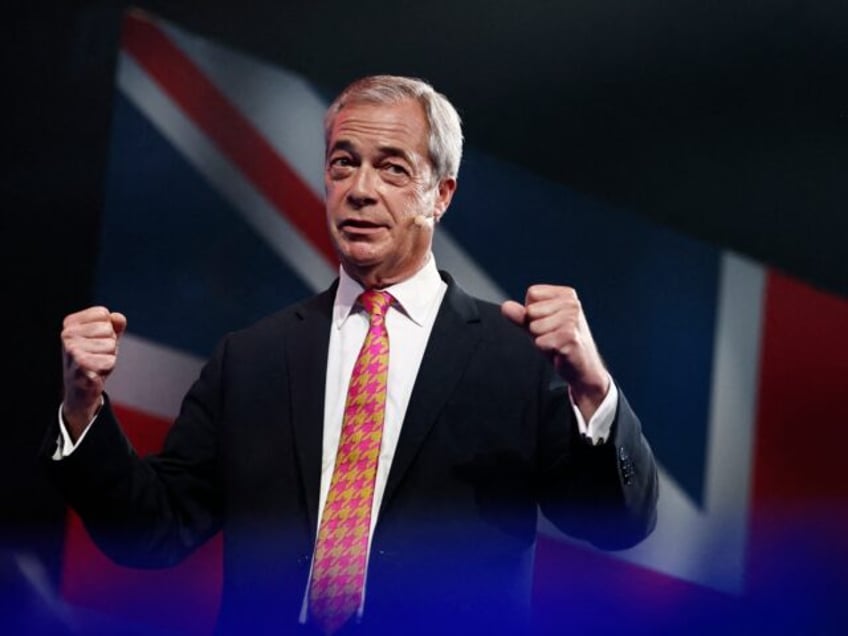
338, 569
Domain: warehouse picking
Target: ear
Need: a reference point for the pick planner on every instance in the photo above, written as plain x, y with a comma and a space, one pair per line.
444, 195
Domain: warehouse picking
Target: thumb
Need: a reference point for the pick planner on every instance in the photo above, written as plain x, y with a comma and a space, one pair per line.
119, 323
514, 311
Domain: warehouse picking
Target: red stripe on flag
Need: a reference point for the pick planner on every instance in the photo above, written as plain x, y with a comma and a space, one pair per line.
802, 436
182, 599
222, 122
798, 555
146, 432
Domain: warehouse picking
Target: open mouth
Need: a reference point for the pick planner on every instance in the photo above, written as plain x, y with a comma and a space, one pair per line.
359, 225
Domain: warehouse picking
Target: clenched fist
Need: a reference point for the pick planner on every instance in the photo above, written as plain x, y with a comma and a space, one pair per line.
554, 317
89, 351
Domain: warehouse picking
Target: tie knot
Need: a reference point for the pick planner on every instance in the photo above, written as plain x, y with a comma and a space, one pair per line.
375, 302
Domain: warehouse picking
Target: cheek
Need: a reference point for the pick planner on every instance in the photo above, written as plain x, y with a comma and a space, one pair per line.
333, 196
416, 203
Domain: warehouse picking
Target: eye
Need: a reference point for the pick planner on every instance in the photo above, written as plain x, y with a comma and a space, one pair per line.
396, 168
342, 161
396, 173
340, 166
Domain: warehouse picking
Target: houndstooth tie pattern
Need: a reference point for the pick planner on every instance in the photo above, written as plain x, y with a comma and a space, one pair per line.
338, 569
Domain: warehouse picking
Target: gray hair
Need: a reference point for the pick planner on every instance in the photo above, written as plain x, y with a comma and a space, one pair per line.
445, 144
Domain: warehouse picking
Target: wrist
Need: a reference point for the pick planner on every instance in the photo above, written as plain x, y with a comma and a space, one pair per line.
595, 389
587, 395
77, 417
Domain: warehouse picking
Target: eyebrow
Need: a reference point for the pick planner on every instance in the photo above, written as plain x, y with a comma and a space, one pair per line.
387, 151
392, 151
341, 144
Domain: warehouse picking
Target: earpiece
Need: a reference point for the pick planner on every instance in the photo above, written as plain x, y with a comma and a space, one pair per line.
425, 220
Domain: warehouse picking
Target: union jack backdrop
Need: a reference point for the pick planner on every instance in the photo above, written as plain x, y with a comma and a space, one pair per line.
214, 217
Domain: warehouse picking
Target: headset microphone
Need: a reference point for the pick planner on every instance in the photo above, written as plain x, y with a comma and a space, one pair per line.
423, 220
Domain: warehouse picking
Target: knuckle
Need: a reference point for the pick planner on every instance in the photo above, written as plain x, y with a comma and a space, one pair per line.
534, 292
72, 350
577, 304
537, 329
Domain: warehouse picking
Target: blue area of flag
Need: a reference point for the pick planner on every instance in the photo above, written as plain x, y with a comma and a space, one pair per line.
649, 294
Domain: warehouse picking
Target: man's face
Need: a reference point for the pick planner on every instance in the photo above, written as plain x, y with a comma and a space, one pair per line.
378, 179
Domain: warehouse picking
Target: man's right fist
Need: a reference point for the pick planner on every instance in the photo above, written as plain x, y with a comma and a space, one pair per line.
89, 352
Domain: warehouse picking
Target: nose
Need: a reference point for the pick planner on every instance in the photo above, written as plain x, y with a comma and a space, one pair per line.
362, 189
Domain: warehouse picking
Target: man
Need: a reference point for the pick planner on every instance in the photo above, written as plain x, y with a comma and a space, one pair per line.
376, 455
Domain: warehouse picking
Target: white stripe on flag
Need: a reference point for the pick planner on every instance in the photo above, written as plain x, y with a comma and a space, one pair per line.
280, 104
470, 276
151, 377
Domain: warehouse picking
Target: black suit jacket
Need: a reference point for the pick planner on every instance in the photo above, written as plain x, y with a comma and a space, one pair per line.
489, 439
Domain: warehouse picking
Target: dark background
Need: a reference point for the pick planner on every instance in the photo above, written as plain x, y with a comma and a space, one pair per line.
726, 122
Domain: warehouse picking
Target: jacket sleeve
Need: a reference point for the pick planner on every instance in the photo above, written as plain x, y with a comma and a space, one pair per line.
605, 494
151, 511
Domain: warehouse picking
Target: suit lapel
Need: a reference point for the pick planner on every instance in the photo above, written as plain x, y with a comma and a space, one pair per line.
455, 335
306, 355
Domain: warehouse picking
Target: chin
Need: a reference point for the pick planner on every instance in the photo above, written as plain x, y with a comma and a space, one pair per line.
359, 261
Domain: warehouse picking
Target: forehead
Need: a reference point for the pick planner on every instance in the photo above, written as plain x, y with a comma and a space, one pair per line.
402, 125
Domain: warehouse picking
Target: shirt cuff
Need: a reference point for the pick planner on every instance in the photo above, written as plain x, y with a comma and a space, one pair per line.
64, 444
597, 429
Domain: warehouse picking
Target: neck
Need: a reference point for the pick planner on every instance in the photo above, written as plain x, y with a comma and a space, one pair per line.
376, 278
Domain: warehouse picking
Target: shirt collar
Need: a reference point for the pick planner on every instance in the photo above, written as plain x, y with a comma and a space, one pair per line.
413, 296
